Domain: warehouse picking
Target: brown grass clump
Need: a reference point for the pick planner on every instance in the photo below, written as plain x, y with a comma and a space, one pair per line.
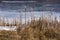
8, 35
41, 30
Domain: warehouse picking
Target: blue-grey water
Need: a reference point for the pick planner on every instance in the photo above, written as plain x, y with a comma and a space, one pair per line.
12, 10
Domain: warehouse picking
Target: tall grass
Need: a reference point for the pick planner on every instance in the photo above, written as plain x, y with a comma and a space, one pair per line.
42, 29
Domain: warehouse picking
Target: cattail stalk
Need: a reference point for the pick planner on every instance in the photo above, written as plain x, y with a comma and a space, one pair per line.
25, 13
32, 15
20, 18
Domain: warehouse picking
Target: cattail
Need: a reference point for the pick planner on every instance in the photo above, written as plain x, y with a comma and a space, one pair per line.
59, 19
42, 17
56, 22
51, 13
20, 15
0, 21
55, 19
32, 15
7, 22
14, 21
3, 21
28, 21
25, 13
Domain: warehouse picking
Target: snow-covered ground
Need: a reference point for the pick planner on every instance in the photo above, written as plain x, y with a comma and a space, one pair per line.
12, 28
